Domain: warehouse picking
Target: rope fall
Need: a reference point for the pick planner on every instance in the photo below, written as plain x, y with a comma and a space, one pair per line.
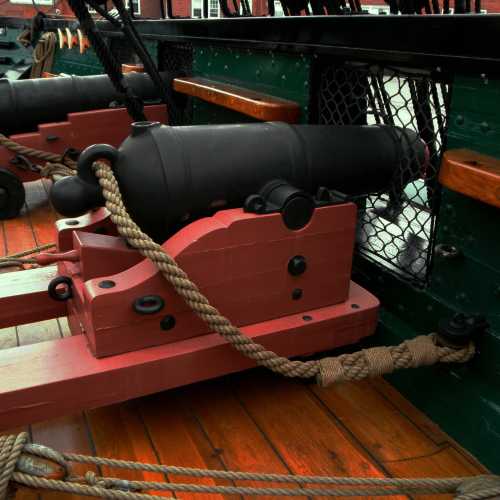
13, 474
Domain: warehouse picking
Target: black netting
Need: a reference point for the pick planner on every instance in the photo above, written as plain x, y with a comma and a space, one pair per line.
176, 60
396, 228
122, 50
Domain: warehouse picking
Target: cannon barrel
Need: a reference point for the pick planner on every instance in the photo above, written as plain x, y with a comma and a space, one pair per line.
169, 176
24, 104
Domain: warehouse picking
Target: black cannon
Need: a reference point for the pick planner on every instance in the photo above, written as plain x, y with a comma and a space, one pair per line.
25, 104
170, 176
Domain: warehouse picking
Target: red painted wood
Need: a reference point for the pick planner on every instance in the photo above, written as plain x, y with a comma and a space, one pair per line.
94, 222
109, 126
24, 298
59, 377
238, 260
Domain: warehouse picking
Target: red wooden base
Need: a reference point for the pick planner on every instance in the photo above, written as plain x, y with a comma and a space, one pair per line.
24, 297
110, 126
239, 260
50, 379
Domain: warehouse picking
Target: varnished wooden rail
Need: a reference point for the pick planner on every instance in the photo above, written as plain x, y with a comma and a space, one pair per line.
264, 107
472, 174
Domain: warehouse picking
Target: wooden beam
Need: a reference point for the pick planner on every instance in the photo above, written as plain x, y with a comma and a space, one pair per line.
24, 297
59, 377
472, 174
264, 107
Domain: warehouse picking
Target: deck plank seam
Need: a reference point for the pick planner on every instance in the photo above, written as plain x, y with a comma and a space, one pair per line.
218, 456
261, 431
409, 418
351, 435
156, 452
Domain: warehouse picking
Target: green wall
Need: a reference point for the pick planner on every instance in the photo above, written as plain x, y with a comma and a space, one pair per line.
464, 400
277, 74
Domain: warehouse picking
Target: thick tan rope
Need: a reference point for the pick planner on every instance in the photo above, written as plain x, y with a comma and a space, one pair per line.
369, 362
11, 448
43, 55
421, 351
55, 164
17, 260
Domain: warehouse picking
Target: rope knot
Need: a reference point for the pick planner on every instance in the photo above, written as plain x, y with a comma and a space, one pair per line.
478, 487
110, 483
18, 457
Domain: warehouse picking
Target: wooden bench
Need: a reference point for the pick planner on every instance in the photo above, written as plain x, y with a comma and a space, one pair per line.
261, 106
472, 174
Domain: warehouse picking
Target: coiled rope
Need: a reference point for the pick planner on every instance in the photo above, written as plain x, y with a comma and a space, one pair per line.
43, 55
13, 447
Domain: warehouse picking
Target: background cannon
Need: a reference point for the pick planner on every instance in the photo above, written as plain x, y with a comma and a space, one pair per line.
25, 104
74, 111
170, 176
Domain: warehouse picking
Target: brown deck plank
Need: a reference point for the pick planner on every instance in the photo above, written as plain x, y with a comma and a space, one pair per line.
19, 234
118, 431
447, 462
303, 433
67, 434
375, 422
232, 432
42, 215
3, 241
173, 439
420, 420
399, 444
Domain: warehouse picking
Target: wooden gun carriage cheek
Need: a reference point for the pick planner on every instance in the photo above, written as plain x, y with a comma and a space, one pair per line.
287, 287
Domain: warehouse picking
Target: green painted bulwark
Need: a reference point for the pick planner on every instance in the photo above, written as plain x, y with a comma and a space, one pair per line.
278, 74
463, 400
71, 62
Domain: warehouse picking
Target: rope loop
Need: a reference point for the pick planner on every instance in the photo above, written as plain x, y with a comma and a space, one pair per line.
11, 448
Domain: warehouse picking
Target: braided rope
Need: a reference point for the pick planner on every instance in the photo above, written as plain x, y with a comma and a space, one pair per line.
370, 362
11, 448
43, 54
420, 351
17, 260
55, 166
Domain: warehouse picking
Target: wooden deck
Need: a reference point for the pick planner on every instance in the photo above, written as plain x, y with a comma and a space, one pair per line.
254, 421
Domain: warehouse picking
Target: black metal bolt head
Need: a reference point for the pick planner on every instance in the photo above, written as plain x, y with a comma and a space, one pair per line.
297, 265
167, 323
461, 328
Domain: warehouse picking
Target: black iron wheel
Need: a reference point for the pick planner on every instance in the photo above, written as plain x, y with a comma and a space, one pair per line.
12, 195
